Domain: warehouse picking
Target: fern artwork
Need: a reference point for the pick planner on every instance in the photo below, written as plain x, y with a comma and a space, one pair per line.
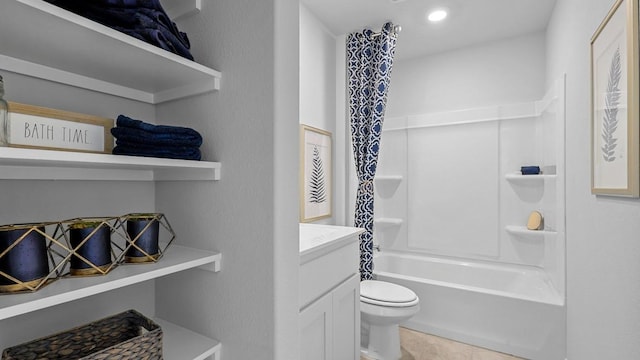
317, 191
611, 101
316, 173
615, 87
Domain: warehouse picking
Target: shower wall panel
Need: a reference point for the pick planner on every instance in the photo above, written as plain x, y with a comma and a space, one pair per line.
453, 184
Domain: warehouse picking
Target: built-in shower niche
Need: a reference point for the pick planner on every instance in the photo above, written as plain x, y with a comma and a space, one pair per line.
461, 193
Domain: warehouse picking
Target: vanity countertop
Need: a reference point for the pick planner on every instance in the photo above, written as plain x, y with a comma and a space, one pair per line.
317, 240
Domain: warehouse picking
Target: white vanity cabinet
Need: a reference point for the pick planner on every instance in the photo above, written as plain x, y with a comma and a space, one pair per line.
329, 292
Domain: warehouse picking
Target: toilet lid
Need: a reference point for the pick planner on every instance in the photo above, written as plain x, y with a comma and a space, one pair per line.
386, 294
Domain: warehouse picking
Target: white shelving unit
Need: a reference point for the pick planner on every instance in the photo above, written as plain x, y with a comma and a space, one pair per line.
523, 232
76, 51
177, 258
528, 180
519, 178
388, 178
383, 223
177, 9
42, 41
21, 164
180, 343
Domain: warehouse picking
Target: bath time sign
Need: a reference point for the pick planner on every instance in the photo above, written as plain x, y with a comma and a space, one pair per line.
44, 128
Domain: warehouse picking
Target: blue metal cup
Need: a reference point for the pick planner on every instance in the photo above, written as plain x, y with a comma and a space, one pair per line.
96, 249
146, 238
27, 261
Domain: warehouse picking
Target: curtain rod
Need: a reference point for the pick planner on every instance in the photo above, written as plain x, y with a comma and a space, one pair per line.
396, 30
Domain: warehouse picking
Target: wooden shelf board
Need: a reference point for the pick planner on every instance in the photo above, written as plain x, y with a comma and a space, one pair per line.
131, 68
522, 231
389, 178
517, 177
387, 222
35, 164
183, 344
176, 259
177, 9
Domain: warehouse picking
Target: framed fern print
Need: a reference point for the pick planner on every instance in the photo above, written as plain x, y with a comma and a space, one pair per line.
316, 175
615, 168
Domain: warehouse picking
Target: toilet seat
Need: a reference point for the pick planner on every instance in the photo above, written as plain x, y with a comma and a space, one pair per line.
384, 293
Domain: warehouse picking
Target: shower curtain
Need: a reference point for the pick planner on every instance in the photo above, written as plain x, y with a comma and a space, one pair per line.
369, 62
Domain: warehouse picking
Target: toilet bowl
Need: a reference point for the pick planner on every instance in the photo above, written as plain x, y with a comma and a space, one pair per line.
383, 306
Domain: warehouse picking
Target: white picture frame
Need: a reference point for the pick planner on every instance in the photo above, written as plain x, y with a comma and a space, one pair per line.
615, 169
316, 174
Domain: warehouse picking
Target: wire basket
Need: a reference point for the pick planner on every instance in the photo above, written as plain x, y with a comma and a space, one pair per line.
125, 336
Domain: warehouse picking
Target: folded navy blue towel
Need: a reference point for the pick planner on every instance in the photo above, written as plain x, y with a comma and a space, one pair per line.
171, 152
139, 132
160, 38
150, 4
530, 170
135, 19
74, 4
145, 20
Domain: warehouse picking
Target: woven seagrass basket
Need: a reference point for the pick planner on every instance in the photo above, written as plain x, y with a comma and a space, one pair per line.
125, 336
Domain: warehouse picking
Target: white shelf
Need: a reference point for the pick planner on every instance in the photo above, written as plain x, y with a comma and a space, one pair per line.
519, 178
35, 164
177, 9
382, 223
179, 343
176, 259
389, 178
76, 51
523, 232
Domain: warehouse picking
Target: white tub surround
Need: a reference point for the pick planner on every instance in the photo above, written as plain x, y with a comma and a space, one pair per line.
329, 295
512, 309
451, 188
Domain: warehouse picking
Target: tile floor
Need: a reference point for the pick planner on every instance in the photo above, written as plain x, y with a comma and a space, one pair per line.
419, 346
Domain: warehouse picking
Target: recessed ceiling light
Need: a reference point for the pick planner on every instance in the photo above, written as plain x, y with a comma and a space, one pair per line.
437, 15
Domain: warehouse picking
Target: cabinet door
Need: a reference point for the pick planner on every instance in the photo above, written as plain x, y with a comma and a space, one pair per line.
316, 325
346, 320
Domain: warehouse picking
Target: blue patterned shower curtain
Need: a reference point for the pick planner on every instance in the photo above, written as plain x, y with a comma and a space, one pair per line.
369, 62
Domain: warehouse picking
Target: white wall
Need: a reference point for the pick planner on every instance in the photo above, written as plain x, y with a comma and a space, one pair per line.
484, 76
495, 73
317, 73
487, 75
250, 126
603, 271
453, 197
318, 98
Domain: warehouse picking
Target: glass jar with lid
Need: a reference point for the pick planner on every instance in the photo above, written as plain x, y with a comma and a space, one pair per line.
4, 116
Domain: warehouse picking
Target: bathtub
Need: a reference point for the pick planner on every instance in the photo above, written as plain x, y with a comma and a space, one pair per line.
511, 309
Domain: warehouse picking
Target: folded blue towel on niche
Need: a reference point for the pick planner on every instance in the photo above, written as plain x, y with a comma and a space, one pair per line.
171, 152
139, 132
530, 170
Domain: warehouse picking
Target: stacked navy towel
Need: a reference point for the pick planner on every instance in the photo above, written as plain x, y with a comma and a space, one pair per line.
137, 138
143, 19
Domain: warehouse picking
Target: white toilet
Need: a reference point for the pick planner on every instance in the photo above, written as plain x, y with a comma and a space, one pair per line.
383, 306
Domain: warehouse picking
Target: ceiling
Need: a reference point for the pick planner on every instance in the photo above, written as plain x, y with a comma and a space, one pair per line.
469, 21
